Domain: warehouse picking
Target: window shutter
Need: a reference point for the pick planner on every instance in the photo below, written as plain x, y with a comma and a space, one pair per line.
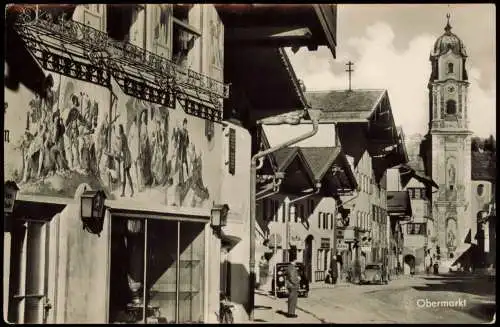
232, 151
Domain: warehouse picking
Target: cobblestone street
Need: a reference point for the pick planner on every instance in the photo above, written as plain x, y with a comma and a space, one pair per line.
470, 299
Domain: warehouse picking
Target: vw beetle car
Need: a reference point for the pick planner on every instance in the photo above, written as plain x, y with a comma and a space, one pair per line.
375, 274
280, 278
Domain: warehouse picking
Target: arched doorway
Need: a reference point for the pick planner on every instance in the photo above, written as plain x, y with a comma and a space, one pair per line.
308, 251
409, 264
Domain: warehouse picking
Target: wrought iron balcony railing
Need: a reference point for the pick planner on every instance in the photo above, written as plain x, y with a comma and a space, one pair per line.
116, 56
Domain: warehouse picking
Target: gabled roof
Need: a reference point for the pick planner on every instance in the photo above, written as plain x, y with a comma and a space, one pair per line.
399, 202
483, 166
320, 159
284, 157
345, 104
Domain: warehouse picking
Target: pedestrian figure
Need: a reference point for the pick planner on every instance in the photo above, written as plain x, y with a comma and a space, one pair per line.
127, 161
292, 281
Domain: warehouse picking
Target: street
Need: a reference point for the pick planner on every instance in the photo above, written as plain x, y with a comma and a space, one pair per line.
450, 298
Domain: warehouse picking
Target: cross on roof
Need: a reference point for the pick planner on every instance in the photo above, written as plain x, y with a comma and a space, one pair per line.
349, 71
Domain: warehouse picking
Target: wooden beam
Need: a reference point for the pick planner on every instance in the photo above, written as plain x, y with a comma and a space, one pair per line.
287, 34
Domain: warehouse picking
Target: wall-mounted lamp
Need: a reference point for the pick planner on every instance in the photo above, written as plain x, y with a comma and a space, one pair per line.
219, 215
9, 197
92, 211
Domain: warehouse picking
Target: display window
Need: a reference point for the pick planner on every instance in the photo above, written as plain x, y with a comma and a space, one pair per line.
157, 271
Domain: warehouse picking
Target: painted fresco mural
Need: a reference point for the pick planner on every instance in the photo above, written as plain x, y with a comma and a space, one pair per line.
81, 132
162, 153
57, 137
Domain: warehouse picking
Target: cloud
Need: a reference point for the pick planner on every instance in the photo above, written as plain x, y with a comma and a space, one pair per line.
404, 73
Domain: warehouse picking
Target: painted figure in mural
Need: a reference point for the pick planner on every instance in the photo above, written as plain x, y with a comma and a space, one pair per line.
144, 151
36, 147
56, 145
126, 159
160, 149
215, 32
196, 180
72, 131
133, 142
181, 137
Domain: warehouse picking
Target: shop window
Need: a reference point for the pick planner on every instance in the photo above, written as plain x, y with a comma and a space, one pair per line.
169, 284
451, 107
184, 34
28, 273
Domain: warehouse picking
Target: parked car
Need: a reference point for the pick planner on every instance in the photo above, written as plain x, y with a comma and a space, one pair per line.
375, 273
280, 278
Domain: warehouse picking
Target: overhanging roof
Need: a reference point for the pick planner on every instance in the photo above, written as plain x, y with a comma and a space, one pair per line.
266, 76
275, 25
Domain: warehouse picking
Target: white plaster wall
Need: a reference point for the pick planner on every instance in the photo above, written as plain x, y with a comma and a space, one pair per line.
235, 192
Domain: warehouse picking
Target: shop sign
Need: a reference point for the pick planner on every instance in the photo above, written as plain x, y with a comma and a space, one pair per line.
342, 246
295, 240
349, 234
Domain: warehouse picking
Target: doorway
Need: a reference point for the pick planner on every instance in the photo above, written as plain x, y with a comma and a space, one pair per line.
409, 264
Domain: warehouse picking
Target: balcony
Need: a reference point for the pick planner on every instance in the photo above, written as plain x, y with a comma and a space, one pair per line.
76, 50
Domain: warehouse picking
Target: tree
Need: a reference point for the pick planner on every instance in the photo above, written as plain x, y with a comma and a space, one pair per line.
476, 143
490, 144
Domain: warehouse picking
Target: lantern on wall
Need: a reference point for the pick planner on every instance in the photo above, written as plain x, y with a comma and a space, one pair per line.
219, 215
92, 211
10, 195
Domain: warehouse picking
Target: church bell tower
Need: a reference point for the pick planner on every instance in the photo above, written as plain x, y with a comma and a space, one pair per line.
450, 143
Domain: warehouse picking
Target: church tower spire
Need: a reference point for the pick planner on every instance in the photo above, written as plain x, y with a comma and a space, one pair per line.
449, 146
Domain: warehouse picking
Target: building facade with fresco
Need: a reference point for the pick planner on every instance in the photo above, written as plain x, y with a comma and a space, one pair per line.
129, 99
110, 118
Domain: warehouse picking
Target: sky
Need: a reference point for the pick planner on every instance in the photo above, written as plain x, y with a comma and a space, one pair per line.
390, 46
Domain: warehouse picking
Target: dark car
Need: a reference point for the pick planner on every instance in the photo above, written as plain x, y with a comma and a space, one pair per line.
375, 274
280, 278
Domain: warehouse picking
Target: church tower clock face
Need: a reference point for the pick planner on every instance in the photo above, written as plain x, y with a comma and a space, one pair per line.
449, 146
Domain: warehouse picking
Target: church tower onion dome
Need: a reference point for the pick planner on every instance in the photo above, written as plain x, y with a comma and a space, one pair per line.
448, 41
